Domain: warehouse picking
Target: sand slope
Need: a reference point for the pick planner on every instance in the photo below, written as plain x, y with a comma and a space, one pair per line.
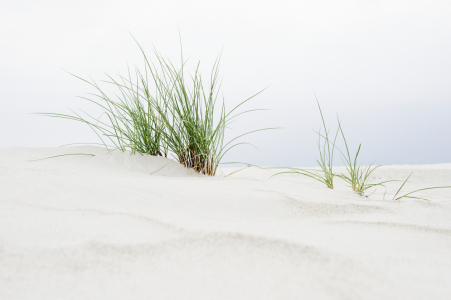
123, 226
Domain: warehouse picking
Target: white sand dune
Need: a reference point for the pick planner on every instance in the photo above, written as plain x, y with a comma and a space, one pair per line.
123, 226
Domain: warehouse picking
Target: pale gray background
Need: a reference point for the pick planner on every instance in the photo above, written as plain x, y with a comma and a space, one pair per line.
383, 66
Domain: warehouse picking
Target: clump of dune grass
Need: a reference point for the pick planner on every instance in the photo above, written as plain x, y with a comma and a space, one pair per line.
408, 195
187, 113
158, 111
326, 149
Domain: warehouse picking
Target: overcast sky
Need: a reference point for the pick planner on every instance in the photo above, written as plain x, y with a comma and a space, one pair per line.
384, 67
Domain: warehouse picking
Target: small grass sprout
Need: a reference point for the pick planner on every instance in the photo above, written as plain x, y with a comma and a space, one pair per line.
408, 195
359, 176
326, 155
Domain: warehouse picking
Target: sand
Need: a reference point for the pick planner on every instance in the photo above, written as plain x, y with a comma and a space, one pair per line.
123, 226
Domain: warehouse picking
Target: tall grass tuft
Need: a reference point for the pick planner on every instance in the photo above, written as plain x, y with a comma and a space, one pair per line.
158, 111
188, 116
187, 111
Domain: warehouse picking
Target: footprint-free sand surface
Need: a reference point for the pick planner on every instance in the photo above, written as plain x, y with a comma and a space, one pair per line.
123, 226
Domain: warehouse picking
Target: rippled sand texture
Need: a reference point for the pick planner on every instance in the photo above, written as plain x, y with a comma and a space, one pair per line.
123, 226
